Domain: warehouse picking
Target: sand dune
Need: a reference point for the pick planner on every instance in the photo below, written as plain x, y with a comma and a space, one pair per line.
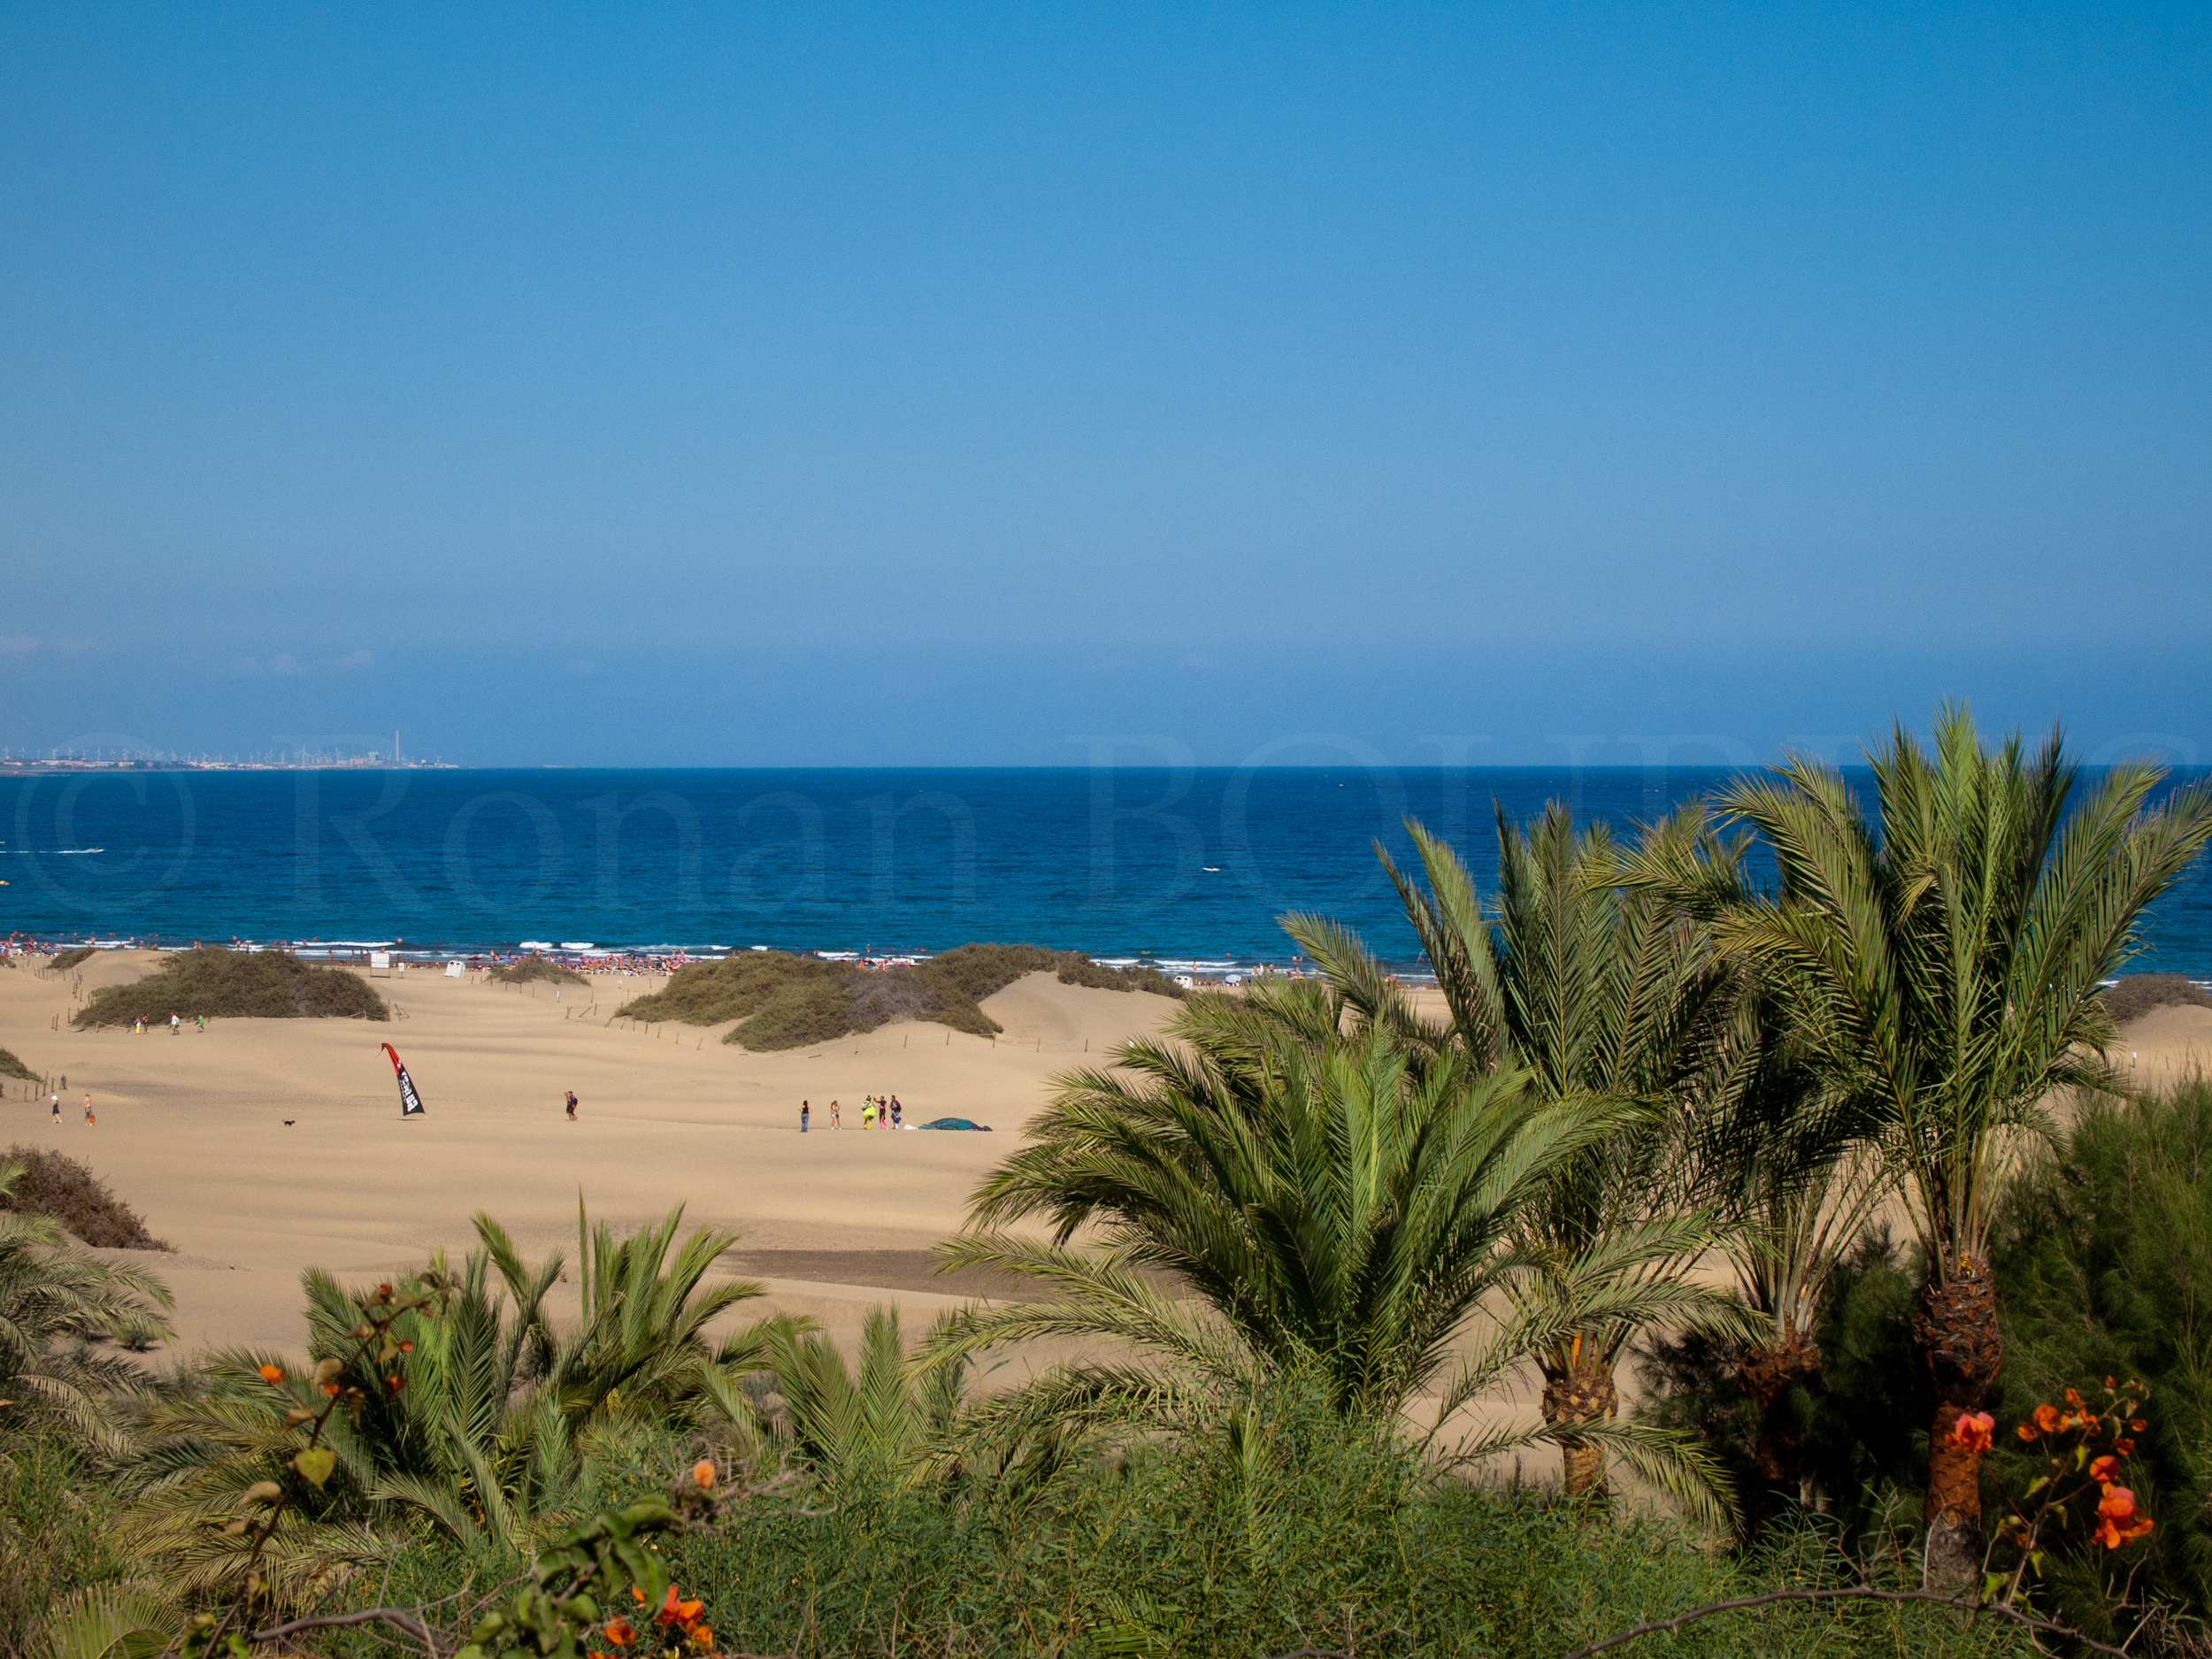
192, 1133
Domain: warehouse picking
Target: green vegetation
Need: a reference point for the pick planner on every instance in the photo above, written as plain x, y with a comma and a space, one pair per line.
2104, 1251
1939, 967
1304, 1243
532, 969
10, 1066
67, 959
53, 1299
56, 1186
787, 1001
216, 983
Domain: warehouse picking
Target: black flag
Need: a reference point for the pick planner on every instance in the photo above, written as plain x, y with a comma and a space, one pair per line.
409, 1102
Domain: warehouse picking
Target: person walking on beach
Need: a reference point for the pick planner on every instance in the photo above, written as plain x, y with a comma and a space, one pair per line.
895, 1112
57, 1108
868, 1111
834, 1123
176, 1025
88, 1120
805, 1110
572, 1105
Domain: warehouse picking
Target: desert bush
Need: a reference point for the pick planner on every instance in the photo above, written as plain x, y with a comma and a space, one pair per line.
813, 1010
2138, 994
10, 1066
532, 969
55, 1185
68, 959
787, 1001
236, 985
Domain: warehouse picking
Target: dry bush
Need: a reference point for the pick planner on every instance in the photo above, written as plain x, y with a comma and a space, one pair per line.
2139, 993
55, 1184
531, 968
236, 985
787, 1001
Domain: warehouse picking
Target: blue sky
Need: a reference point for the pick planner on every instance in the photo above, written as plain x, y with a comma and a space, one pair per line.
839, 385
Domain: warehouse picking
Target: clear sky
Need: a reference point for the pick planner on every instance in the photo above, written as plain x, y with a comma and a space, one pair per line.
793, 385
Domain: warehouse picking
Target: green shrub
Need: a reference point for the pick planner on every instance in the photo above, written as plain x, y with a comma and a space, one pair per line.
68, 959
1277, 1530
796, 1013
55, 1522
2104, 1262
531, 969
1863, 1423
236, 985
10, 1066
55, 1184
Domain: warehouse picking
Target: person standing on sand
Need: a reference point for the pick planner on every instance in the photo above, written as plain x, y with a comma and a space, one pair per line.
834, 1123
805, 1110
572, 1105
88, 1120
895, 1112
176, 1025
57, 1108
867, 1111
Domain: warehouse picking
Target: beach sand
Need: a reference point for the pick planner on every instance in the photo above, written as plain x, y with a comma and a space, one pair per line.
192, 1134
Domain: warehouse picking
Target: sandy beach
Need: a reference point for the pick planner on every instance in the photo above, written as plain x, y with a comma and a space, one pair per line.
192, 1133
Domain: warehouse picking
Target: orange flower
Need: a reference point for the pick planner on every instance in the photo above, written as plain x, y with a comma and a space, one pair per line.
703, 1635
703, 1474
2117, 1523
272, 1374
2047, 1419
674, 1611
2103, 1469
2027, 1432
637, 1595
2124, 1447
1974, 1431
618, 1632
2073, 1398
2138, 1425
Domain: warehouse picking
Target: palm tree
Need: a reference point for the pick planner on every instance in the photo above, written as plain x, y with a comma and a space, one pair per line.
1595, 990
888, 1420
1341, 1205
52, 1293
1795, 1174
1939, 962
488, 1436
641, 1350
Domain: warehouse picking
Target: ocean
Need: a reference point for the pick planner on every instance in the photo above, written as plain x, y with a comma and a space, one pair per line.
1187, 867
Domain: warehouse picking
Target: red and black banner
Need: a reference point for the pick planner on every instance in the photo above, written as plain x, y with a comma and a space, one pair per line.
409, 1102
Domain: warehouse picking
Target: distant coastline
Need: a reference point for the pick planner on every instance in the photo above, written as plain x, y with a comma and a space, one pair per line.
53, 765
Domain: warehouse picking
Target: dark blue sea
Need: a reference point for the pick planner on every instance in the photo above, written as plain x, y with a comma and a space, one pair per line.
1186, 865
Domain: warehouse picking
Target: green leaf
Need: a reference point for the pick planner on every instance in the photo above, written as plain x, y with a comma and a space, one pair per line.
315, 1463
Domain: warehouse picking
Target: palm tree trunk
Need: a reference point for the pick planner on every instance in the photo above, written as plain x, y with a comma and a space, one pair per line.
1767, 1373
1580, 1393
1956, 1331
